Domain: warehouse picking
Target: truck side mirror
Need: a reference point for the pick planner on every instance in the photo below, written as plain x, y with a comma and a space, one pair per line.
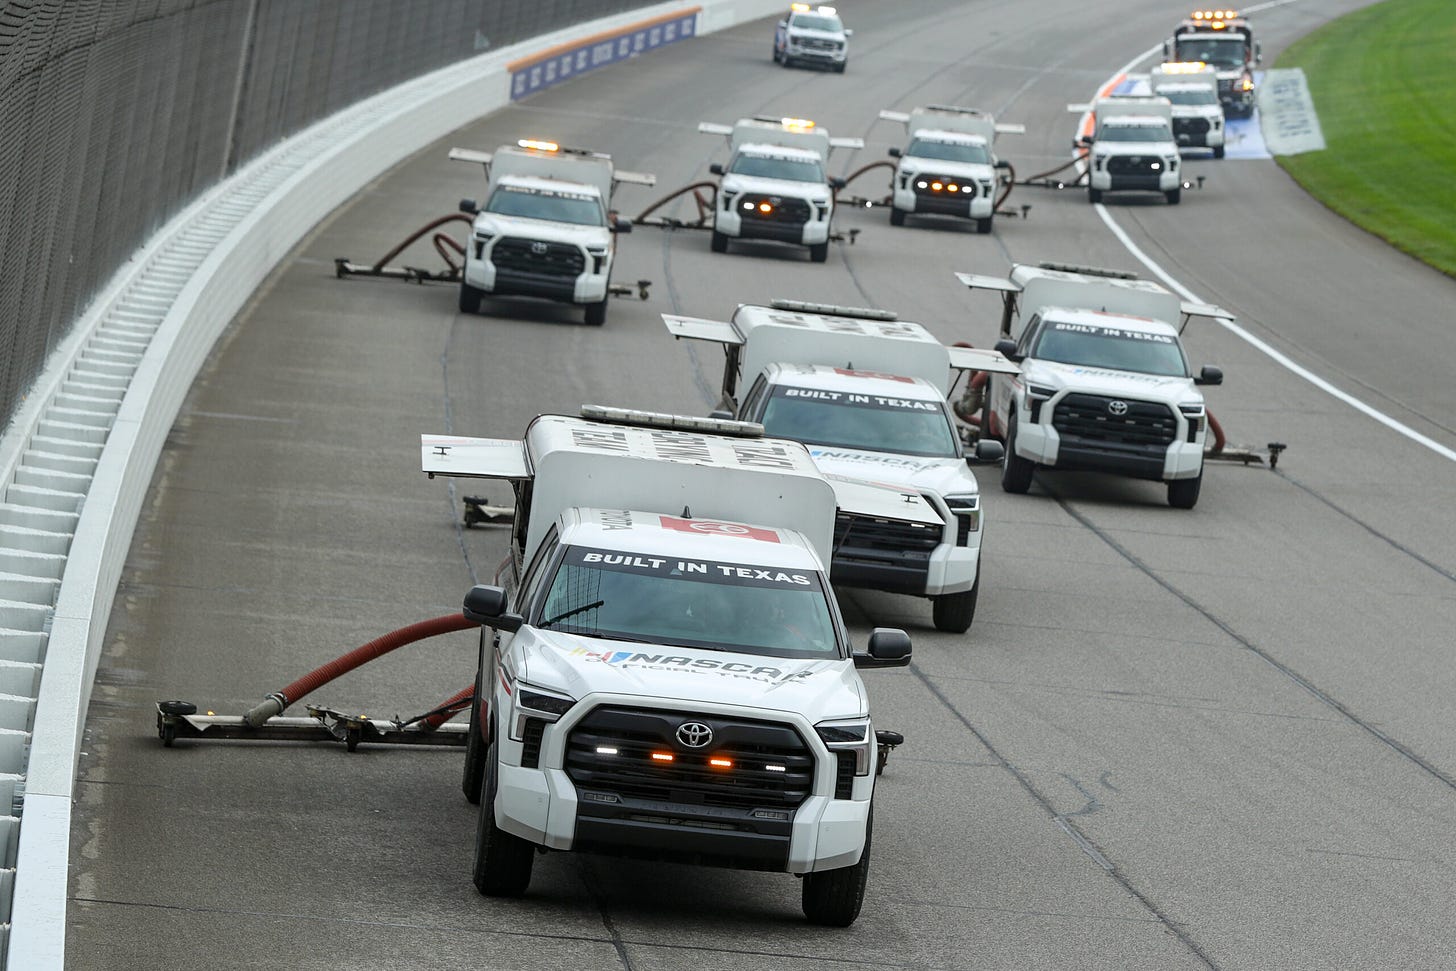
1258, 53
1001, 163
722, 414
469, 207
1085, 141
1209, 375
783, 23
716, 168
889, 647
836, 183
486, 606
849, 33
1006, 347
895, 152
621, 224
987, 450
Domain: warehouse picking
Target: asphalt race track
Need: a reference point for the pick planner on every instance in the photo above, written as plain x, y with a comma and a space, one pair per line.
1208, 739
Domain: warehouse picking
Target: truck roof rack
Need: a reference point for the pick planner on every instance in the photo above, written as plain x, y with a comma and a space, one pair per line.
1088, 270
834, 310
674, 423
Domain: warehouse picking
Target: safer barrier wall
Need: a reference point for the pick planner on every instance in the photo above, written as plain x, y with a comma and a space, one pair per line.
115, 113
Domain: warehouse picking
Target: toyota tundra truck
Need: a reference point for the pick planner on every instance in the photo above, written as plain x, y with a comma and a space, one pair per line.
812, 35
664, 672
1104, 382
867, 393
1192, 91
774, 186
949, 167
547, 228
1132, 148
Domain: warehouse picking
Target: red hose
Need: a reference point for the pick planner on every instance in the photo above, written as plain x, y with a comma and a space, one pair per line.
321, 676
978, 380
464, 694
1219, 441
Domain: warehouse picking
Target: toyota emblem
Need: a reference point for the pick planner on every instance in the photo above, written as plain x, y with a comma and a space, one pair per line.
1118, 408
538, 248
694, 734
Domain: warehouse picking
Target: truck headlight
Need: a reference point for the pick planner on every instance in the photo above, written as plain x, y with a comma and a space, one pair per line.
967, 511
599, 258
850, 736
1195, 415
531, 702
1036, 396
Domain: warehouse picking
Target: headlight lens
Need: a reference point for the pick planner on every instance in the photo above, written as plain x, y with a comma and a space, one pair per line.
532, 702
968, 513
850, 735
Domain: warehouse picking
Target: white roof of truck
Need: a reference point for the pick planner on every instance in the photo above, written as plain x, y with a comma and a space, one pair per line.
1037, 286
660, 534
550, 184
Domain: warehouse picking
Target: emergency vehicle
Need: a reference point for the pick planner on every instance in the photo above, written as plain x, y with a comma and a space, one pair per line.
1104, 382
547, 228
867, 393
774, 186
1224, 40
812, 35
669, 676
1132, 148
1192, 91
949, 167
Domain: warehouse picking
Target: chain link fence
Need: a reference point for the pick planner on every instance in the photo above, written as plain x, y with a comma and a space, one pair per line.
114, 114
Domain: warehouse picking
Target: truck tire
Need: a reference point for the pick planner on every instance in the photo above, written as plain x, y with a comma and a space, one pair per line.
1183, 493
987, 432
839, 68
503, 860
954, 612
473, 775
720, 242
1174, 196
470, 298
596, 313
832, 898
1094, 195
1218, 151
1016, 472
819, 252
897, 217
983, 226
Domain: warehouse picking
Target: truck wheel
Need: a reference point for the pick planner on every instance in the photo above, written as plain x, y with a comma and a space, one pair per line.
720, 242
503, 860
954, 612
1016, 471
1094, 195
470, 298
1183, 493
474, 774
1218, 151
819, 252
596, 313
897, 217
983, 226
986, 431
832, 898
839, 68
1174, 195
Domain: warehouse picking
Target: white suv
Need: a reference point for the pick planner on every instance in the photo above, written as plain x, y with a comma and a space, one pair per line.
812, 35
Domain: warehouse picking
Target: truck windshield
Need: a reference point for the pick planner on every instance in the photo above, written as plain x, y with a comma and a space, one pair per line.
817, 22
1190, 96
1112, 132
772, 611
560, 207
949, 151
875, 423
768, 167
1111, 347
1224, 52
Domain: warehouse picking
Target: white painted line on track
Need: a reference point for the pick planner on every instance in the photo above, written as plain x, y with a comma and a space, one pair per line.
1279, 357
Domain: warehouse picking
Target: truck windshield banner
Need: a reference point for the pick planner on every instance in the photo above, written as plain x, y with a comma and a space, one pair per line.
702, 571
1117, 333
852, 400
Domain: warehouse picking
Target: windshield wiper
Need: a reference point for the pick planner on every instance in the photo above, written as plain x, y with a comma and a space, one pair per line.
572, 612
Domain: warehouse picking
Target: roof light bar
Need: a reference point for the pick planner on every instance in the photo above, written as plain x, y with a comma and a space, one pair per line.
538, 144
676, 423
833, 310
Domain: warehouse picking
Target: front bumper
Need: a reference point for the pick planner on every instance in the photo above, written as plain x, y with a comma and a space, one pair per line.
813, 232
816, 55
1045, 445
1163, 181
907, 200
584, 287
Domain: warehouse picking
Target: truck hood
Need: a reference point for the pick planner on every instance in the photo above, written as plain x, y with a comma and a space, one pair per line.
577, 235
1094, 380
805, 33
947, 476
1167, 149
970, 171
813, 191
581, 666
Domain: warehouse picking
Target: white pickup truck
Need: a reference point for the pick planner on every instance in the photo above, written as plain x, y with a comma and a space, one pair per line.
546, 229
866, 392
1133, 149
949, 167
1192, 91
774, 186
1104, 385
670, 677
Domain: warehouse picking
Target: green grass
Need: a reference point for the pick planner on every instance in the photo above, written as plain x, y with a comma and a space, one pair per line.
1384, 85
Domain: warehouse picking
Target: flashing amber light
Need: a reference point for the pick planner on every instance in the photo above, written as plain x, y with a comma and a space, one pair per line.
662, 756
799, 7
796, 124
539, 145
953, 187
1184, 67
765, 207
937, 186
721, 763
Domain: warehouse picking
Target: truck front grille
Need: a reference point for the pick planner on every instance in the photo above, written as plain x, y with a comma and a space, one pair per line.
1114, 421
816, 44
1190, 126
1135, 165
781, 209
611, 751
891, 539
513, 253
925, 187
